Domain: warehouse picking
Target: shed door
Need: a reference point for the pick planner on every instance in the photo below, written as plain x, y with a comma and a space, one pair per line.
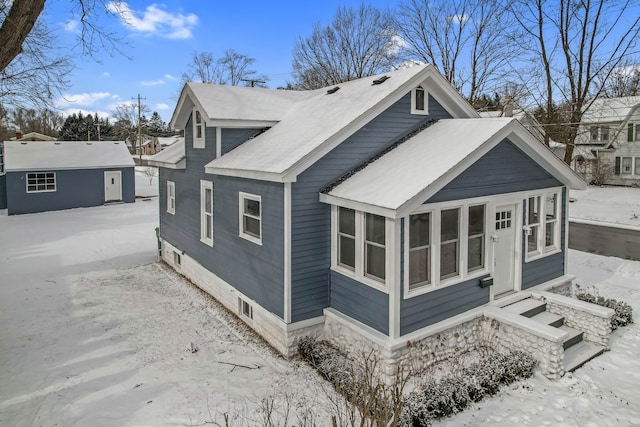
504, 254
112, 186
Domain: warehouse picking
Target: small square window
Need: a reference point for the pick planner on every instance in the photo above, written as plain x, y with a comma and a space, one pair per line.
41, 182
245, 308
177, 259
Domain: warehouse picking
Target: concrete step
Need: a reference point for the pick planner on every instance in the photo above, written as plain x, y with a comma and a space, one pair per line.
549, 318
575, 336
527, 307
579, 354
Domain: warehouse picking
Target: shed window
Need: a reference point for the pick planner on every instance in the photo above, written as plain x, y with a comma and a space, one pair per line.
206, 212
41, 182
251, 217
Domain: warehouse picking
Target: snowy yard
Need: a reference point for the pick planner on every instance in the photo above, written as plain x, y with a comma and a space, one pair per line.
93, 332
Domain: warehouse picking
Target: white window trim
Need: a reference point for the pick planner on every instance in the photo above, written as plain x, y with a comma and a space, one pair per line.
463, 239
55, 182
199, 142
204, 185
426, 101
171, 197
543, 250
359, 274
241, 198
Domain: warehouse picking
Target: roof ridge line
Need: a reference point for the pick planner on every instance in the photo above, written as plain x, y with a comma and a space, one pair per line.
422, 126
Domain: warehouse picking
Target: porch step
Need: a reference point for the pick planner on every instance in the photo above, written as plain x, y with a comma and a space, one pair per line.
579, 354
549, 318
527, 307
575, 336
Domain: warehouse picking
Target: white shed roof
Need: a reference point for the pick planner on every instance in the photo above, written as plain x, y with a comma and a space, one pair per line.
426, 162
58, 155
172, 157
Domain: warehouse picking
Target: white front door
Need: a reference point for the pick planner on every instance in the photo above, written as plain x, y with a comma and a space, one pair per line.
504, 254
112, 186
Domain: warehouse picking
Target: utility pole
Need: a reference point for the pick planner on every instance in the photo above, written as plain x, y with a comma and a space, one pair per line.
253, 81
98, 126
139, 130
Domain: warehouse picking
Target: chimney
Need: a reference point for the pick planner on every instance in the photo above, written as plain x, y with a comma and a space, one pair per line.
18, 134
507, 111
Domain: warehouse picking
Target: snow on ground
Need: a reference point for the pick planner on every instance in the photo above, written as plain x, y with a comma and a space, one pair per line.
616, 205
94, 332
146, 181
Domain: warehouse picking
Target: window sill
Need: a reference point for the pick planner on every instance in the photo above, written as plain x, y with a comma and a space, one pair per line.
171, 212
538, 255
361, 279
208, 242
251, 238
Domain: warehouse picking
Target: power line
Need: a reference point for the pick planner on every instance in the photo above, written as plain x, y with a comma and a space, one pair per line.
139, 128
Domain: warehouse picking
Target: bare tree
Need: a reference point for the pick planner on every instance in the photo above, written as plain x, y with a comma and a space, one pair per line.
232, 69
32, 69
576, 46
358, 43
624, 81
125, 126
466, 39
45, 121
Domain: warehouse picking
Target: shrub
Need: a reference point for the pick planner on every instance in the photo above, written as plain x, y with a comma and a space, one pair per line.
623, 312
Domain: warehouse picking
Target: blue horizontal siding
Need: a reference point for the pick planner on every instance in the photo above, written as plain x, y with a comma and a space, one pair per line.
3, 192
504, 169
75, 188
255, 270
231, 138
360, 302
311, 220
426, 309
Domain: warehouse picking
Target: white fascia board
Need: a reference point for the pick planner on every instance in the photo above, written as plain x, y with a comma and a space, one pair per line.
430, 74
180, 164
67, 168
358, 206
183, 109
240, 124
249, 174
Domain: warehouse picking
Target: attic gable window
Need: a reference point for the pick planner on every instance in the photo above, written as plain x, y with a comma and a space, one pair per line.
419, 101
198, 130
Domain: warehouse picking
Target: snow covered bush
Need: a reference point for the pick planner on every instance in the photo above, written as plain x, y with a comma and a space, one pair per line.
624, 312
455, 392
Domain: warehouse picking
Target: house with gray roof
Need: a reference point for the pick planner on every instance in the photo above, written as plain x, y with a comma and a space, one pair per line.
381, 213
609, 138
42, 176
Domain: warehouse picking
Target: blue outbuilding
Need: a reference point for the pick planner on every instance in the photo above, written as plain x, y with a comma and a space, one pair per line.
52, 175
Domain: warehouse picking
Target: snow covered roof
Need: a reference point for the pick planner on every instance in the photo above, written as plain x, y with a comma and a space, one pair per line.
394, 183
606, 110
165, 141
34, 136
58, 155
321, 119
172, 157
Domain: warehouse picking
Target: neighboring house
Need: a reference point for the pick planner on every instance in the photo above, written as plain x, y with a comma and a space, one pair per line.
52, 175
609, 138
166, 141
32, 136
375, 213
524, 117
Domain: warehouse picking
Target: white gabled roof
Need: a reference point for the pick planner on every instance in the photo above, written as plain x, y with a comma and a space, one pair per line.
318, 121
406, 176
233, 103
172, 157
59, 155
607, 110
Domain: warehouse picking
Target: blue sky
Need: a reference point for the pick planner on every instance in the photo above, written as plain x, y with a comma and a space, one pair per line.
164, 36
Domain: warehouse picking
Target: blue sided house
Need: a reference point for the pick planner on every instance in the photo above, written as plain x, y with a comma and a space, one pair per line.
52, 175
381, 213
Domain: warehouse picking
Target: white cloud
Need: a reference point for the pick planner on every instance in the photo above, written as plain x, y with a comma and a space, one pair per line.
152, 83
83, 99
155, 20
162, 106
106, 74
72, 26
170, 77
